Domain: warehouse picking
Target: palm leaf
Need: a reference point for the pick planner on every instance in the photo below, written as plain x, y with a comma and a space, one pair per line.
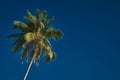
53, 33
26, 52
30, 17
18, 25
47, 22
20, 39
32, 26
17, 47
15, 35
47, 59
44, 15
38, 14
50, 56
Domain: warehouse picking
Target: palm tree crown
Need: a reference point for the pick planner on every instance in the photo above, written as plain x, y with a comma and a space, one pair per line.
33, 37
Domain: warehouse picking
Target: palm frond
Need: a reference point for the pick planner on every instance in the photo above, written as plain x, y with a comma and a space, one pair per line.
17, 47
44, 15
47, 59
15, 35
26, 52
19, 39
46, 42
30, 17
38, 14
47, 49
53, 33
32, 26
18, 25
40, 26
50, 56
46, 22
23, 53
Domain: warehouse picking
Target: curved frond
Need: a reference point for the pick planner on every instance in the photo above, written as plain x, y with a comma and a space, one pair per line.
20, 39
23, 54
18, 25
43, 15
26, 52
48, 20
38, 14
38, 55
53, 33
30, 17
17, 47
47, 59
47, 46
50, 56
40, 25
15, 35
32, 26
46, 42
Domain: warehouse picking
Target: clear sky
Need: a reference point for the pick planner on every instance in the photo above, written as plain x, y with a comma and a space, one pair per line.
89, 50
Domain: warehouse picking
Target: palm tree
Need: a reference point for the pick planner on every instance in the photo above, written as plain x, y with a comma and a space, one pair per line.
33, 38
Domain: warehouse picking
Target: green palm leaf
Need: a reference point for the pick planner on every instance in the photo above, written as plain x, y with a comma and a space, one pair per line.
18, 25
26, 52
17, 47
53, 33
43, 15
15, 35
38, 14
50, 56
47, 22
30, 17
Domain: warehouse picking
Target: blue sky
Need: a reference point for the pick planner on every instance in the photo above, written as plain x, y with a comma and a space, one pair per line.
89, 50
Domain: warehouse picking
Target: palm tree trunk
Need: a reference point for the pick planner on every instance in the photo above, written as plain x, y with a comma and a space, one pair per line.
28, 68
34, 55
